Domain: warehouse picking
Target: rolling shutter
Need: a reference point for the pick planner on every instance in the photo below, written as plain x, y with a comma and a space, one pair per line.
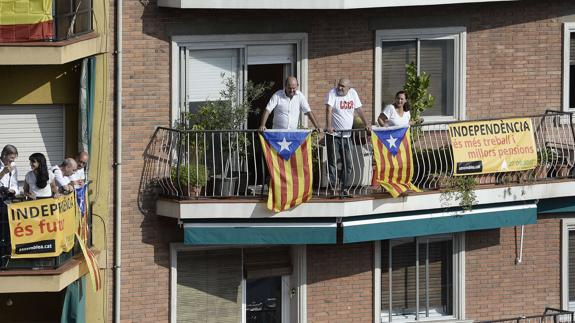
33, 129
209, 286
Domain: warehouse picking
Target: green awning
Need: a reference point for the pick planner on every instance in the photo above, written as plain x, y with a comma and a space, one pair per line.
259, 233
556, 205
420, 224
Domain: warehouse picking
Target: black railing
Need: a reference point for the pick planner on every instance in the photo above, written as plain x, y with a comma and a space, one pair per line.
550, 315
230, 163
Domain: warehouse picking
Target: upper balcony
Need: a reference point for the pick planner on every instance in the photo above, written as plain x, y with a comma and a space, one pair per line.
48, 32
233, 169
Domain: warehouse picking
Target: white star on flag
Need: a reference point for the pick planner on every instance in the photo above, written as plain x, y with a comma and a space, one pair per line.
391, 141
284, 144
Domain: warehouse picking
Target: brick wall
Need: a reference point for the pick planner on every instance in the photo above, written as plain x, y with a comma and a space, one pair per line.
340, 280
497, 287
513, 68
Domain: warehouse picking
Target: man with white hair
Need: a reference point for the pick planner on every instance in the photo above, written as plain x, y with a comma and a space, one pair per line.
78, 178
62, 173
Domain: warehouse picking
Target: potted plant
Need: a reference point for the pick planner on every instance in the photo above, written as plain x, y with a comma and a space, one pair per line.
190, 179
416, 86
226, 153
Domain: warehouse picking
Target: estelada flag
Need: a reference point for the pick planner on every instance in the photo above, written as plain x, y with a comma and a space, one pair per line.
393, 158
288, 157
91, 263
26, 20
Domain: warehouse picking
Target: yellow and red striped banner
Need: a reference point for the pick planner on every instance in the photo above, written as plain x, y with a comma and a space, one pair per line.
91, 262
393, 158
26, 20
291, 178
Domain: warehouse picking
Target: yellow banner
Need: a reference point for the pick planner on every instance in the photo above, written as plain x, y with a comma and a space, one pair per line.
42, 228
25, 12
493, 146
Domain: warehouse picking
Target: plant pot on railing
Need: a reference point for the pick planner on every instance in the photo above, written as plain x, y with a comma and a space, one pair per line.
190, 179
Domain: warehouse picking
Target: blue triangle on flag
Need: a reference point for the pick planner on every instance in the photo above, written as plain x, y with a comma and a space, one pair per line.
391, 138
285, 143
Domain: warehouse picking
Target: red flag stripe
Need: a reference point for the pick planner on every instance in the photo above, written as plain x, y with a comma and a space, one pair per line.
294, 177
283, 182
306, 170
92, 258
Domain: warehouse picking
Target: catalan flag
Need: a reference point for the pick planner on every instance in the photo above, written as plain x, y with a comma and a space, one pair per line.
92, 264
288, 157
394, 162
26, 20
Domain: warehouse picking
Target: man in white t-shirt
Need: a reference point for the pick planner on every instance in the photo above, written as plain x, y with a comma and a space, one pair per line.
286, 105
341, 103
8, 170
78, 178
62, 173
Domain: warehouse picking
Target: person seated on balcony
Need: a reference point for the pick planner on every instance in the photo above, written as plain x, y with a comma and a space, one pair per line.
287, 104
397, 114
341, 103
62, 173
78, 178
8, 171
39, 182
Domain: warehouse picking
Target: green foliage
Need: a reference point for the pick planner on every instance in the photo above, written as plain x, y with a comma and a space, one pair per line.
192, 175
416, 88
228, 112
461, 188
546, 156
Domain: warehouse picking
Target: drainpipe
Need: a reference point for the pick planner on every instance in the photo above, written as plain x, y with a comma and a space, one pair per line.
118, 164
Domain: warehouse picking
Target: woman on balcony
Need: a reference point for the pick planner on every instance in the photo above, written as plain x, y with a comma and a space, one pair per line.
396, 114
39, 182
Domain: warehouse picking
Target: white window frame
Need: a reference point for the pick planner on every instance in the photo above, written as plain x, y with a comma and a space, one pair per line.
294, 308
566, 226
458, 281
568, 29
458, 34
300, 40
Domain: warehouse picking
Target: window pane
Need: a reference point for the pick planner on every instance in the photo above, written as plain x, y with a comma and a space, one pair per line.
571, 249
435, 292
395, 55
572, 72
437, 60
435, 278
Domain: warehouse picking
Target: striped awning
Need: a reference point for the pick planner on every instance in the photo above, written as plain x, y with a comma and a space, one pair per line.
26, 20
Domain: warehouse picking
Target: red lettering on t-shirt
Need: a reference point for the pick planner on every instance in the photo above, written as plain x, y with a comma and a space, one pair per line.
346, 104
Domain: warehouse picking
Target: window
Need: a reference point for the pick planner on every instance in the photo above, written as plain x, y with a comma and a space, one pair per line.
568, 265
72, 18
569, 67
438, 52
202, 60
419, 278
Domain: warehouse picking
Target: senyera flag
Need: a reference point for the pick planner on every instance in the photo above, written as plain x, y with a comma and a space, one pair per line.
288, 157
393, 158
26, 20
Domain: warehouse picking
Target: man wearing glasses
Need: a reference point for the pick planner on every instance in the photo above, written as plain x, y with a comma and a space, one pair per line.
341, 103
78, 178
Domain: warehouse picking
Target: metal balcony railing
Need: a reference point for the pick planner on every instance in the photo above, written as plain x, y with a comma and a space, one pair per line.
229, 163
551, 315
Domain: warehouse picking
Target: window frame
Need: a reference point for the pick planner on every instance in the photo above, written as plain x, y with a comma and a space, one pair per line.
566, 226
458, 34
225, 41
568, 29
458, 279
298, 278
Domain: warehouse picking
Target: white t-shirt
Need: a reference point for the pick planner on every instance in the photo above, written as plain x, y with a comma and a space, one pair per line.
343, 108
394, 119
39, 192
61, 180
286, 115
9, 180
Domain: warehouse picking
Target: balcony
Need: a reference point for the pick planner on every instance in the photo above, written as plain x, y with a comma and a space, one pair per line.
232, 165
57, 32
33, 271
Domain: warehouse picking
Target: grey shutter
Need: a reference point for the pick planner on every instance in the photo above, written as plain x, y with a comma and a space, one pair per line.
394, 56
33, 129
572, 49
267, 262
209, 286
571, 269
437, 60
